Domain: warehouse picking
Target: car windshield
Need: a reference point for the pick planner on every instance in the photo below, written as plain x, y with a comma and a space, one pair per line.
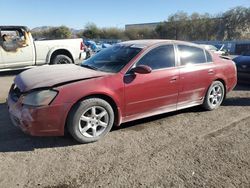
112, 59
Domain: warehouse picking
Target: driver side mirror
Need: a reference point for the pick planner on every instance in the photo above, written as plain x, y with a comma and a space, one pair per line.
142, 69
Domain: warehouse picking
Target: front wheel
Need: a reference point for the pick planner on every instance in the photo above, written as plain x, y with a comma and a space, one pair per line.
90, 120
214, 96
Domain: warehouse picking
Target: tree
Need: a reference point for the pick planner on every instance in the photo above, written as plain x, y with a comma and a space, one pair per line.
111, 33
144, 33
236, 21
91, 31
162, 30
232, 24
61, 32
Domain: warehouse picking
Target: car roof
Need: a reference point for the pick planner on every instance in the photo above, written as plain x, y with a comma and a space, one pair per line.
206, 45
13, 27
152, 42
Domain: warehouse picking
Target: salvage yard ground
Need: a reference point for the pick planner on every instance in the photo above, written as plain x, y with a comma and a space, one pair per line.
189, 148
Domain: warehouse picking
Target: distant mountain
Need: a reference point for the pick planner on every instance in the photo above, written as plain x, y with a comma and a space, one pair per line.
76, 31
44, 28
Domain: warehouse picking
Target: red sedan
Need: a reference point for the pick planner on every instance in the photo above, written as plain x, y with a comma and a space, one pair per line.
127, 81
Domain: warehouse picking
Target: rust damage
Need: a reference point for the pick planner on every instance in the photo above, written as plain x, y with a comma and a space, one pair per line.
13, 41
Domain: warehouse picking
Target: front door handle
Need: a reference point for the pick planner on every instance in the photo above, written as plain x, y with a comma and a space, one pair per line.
211, 71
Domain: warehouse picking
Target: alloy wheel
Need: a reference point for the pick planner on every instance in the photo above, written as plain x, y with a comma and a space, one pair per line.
216, 95
93, 121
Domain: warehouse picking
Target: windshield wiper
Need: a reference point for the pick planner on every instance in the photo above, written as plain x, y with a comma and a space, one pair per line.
89, 66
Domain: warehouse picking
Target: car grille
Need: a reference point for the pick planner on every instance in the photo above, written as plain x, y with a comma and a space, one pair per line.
15, 93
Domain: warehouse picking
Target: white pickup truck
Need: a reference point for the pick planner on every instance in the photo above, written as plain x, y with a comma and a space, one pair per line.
19, 50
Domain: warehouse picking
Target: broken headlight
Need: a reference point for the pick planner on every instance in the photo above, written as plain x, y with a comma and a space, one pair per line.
39, 98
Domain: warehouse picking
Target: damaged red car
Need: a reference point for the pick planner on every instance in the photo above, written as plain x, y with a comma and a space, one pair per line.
125, 82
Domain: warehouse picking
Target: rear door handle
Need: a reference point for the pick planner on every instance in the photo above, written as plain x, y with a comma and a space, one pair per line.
173, 79
211, 71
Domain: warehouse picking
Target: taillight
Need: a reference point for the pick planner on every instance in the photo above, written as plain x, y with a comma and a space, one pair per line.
81, 46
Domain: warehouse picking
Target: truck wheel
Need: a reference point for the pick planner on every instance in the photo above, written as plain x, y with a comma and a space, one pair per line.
61, 59
90, 120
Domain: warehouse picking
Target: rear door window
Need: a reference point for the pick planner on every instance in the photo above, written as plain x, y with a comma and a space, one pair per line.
191, 55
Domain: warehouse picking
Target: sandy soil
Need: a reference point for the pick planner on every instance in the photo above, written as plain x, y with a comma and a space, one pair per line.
189, 148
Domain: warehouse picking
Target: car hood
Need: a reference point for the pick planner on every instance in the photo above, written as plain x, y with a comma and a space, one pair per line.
52, 75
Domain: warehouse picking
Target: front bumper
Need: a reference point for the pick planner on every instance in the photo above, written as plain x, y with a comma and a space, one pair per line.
38, 121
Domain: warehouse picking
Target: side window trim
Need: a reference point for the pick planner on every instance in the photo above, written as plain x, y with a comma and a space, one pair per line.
177, 56
207, 52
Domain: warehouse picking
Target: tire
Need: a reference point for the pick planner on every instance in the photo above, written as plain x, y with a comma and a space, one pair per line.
88, 54
61, 59
214, 96
90, 120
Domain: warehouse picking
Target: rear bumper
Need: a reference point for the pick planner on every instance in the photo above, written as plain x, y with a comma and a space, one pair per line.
82, 56
231, 84
244, 77
38, 121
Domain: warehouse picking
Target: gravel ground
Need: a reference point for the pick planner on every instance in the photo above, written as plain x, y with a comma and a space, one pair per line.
188, 148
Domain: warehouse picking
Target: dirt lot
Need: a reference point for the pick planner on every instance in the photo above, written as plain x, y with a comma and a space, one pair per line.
189, 148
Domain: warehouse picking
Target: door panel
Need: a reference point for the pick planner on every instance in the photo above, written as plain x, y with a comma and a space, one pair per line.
151, 92
196, 74
194, 82
155, 92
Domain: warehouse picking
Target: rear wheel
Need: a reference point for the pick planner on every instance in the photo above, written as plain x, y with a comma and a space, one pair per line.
61, 59
214, 96
90, 120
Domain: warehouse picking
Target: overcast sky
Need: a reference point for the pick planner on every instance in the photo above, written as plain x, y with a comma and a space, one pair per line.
104, 13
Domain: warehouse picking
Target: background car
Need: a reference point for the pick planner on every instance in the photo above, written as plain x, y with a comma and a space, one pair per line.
212, 48
93, 47
243, 67
125, 82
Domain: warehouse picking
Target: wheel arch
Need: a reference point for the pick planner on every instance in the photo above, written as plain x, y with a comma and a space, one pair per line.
205, 102
59, 52
224, 84
222, 81
107, 98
